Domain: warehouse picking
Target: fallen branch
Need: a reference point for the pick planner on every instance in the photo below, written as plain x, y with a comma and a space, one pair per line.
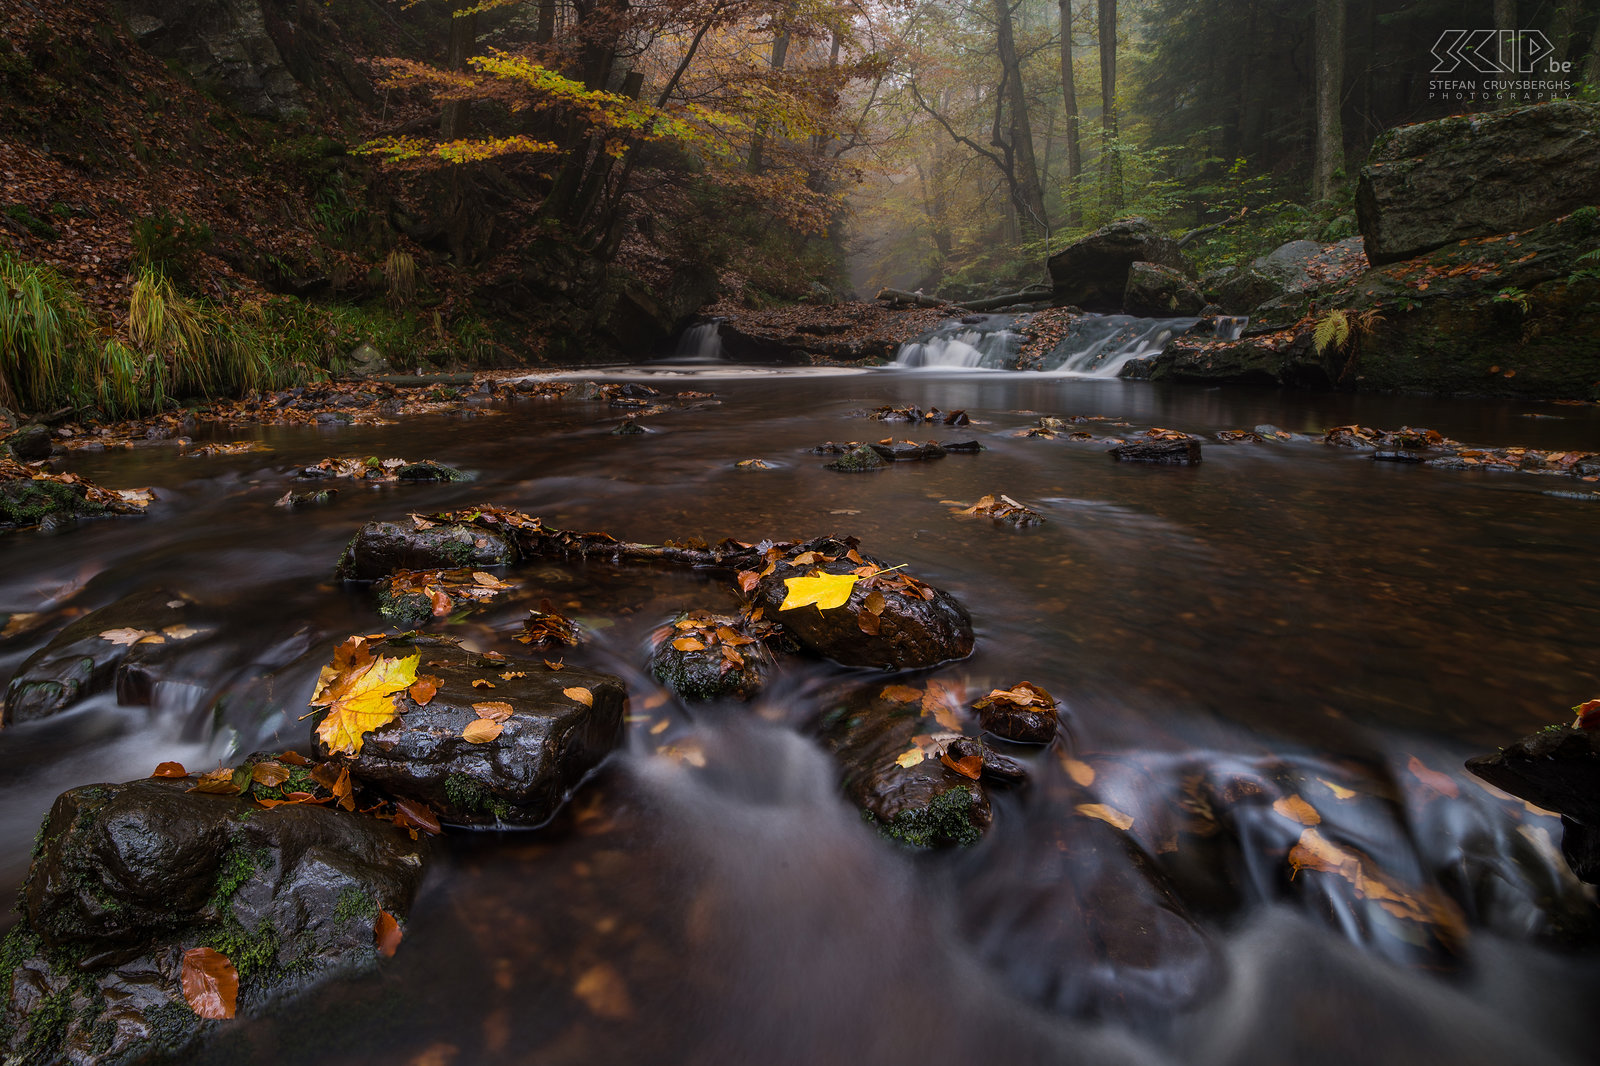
916, 299
1031, 294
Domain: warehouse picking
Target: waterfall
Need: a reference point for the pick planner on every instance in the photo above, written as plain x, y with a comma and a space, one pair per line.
1230, 327
975, 342
702, 343
1099, 346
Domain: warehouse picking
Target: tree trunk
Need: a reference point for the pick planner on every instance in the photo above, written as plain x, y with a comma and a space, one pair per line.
1563, 29
1329, 162
1110, 158
547, 22
1505, 20
780, 55
1591, 70
1029, 197
1069, 95
463, 38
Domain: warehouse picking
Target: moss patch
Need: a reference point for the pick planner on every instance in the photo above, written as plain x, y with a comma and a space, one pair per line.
947, 820
27, 503
473, 796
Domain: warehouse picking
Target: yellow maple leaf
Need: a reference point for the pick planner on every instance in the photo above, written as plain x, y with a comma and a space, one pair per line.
827, 591
362, 699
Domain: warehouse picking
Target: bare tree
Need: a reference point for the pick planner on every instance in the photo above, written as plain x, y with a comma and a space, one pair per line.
1069, 95
1330, 96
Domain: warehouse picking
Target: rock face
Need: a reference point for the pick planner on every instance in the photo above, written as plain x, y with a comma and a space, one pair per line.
224, 45
1428, 185
1160, 292
923, 803
80, 662
128, 877
31, 443
380, 548
546, 746
1557, 769
916, 625
1092, 272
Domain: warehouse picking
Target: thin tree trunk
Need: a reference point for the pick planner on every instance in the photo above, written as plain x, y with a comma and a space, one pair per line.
1563, 29
1591, 70
463, 37
1330, 94
1110, 158
1505, 20
780, 55
1030, 196
547, 22
1069, 95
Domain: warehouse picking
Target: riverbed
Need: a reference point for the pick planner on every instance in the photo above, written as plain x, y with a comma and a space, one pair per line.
1284, 627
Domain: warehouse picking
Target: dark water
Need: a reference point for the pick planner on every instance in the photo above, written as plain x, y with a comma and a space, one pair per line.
1284, 620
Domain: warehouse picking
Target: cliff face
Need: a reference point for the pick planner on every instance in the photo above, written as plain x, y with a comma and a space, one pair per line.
223, 45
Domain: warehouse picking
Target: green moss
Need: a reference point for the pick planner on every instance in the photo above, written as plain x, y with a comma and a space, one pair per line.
473, 796
427, 470
47, 1025
27, 503
35, 225
407, 610
238, 865
858, 460
251, 951
354, 903
946, 820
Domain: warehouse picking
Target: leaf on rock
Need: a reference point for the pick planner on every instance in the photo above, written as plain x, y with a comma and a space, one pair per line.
1109, 815
386, 934
481, 730
413, 814
495, 712
827, 591
210, 983
911, 758
293, 758
900, 694
748, 580
180, 632
579, 695
1588, 713
219, 782
126, 637
362, 699
343, 790
1339, 791
688, 644
482, 683
1313, 851
1297, 810
269, 774
423, 689
971, 766
170, 769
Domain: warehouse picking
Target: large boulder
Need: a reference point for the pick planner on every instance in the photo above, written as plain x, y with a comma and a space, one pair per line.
891, 621
224, 45
127, 878
121, 647
1434, 183
1092, 272
1155, 291
380, 548
560, 724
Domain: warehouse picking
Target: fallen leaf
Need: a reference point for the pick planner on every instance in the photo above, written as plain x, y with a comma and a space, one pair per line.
1339, 791
557, 665
293, 758
126, 636
481, 730
343, 791
269, 774
511, 675
219, 782
971, 766
1296, 810
900, 694
1109, 815
386, 934
1440, 783
688, 644
482, 683
943, 701
911, 758
827, 591
362, 700
495, 712
170, 769
180, 632
210, 983
1588, 713
411, 814
579, 695
423, 689
1080, 772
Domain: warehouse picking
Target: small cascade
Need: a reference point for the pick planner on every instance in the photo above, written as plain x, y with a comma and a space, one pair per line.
701, 344
1230, 327
984, 342
1100, 346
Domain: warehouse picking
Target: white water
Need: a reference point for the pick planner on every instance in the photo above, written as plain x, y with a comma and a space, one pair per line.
1101, 346
962, 346
701, 343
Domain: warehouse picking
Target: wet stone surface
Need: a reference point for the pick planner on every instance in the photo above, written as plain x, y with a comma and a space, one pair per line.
381, 547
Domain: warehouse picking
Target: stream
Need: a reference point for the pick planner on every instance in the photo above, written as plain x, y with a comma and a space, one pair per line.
1285, 621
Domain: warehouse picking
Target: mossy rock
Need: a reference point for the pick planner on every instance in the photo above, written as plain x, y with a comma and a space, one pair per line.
35, 503
859, 460
428, 470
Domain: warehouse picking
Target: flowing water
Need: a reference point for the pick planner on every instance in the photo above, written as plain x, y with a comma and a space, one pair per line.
1094, 346
1283, 622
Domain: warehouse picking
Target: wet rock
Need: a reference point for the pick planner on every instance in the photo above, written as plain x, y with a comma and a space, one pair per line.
428, 470
1158, 451
1557, 768
914, 625
382, 547
963, 447
1436, 183
906, 451
297, 500
627, 428
80, 662
1160, 292
902, 786
996, 767
31, 443
224, 44
1092, 272
703, 656
547, 745
858, 460
127, 877
1024, 713
49, 504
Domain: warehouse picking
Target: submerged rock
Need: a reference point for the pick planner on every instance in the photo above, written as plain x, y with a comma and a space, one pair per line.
119, 646
382, 547
909, 451
891, 621
556, 727
1557, 768
857, 460
703, 656
901, 785
128, 877
1183, 452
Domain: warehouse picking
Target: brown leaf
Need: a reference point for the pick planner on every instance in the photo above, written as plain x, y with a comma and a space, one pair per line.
410, 814
127, 637
579, 695
218, 782
686, 644
971, 766
386, 934
170, 769
557, 665
482, 683
511, 675
1109, 815
900, 694
293, 758
270, 774
1296, 810
481, 730
1080, 772
495, 712
423, 689
210, 983
748, 579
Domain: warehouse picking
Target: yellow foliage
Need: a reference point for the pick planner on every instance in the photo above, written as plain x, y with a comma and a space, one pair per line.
827, 591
